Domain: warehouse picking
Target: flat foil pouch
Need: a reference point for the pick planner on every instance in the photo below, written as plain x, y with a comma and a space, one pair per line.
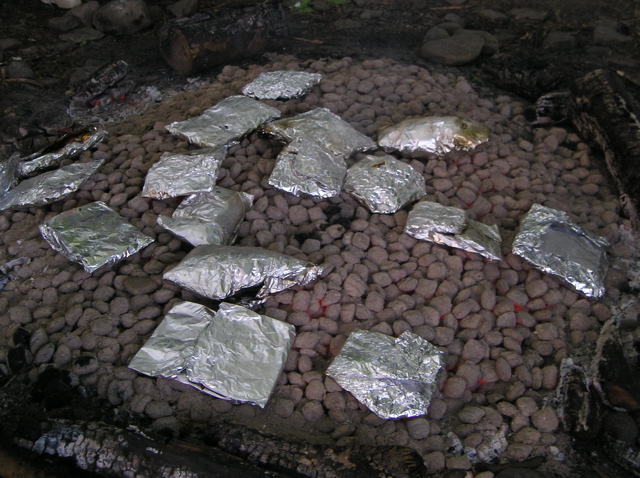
209, 218
49, 187
93, 236
552, 242
306, 167
241, 354
323, 127
418, 137
225, 122
217, 272
384, 184
393, 377
274, 85
184, 173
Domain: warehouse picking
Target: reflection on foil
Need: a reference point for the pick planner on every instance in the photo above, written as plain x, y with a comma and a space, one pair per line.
384, 184
49, 187
393, 377
182, 174
323, 127
274, 85
93, 235
234, 354
306, 167
229, 120
9, 173
209, 218
418, 137
217, 272
551, 241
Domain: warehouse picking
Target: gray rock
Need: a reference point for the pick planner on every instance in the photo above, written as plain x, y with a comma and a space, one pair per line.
85, 12
183, 8
436, 33
606, 35
453, 51
81, 35
64, 23
528, 15
492, 15
122, 17
491, 44
19, 69
9, 44
559, 41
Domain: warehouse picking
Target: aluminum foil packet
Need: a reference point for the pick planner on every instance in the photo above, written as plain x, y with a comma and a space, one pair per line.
183, 174
552, 242
218, 272
93, 236
433, 222
323, 127
306, 167
393, 377
225, 122
9, 173
418, 137
384, 184
209, 218
49, 187
68, 147
275, 85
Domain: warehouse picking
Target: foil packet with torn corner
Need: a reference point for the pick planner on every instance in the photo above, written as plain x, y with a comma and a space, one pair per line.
209, 218
49, 187
553, 243
93, 236
69, 146
393, 377
323, 127
182, 174
384, 184
225, 122
233, 354
433, 222
419, 137
275, 85
306, 167
218, 272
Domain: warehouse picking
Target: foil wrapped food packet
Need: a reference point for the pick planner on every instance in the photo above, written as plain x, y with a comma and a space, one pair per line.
393, 377
224, 122
49, 187
554, 244
384, 184
182, 174
9, 173
306, 167
208, 218
93, 236
419, 137
275, 85
218, 272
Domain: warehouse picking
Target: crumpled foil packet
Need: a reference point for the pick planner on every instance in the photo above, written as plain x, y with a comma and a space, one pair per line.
274, 85
217, 272
418, 137
384, 184
209, 218
93, 235
49, 187
393, 377
225, 122
552, 242
9, 173
182, 174
323, 127
306, 167
430, 221
72, 145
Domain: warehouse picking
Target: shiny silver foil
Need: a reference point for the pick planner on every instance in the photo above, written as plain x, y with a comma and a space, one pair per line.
274, 85
225, 122
209, 218
384, 184
306, 167
552, 242
93, 236
217, 272
49, 187
323, 127
182, 174
393, 377
35, 163
418, 137
9, 173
